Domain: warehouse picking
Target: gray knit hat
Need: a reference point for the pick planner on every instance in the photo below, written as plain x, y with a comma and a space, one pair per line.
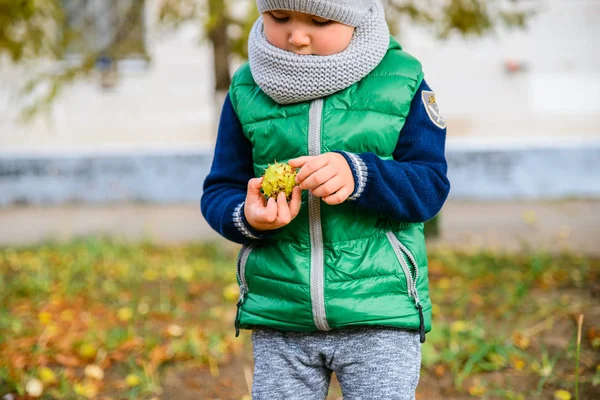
349, 12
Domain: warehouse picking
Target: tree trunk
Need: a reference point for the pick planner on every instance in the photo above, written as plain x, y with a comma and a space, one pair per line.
217, 33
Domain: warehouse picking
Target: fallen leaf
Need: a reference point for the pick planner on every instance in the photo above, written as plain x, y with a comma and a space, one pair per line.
47, 376
497, 359
187, 273
231, 292
132, 380
444, 283
131, 344
67, 315
175, 330
562, 395
477, 390
66, 361
125, 314
439, 370
45, 317
34, 387
517, 363
86, 389
94, 371
87, 351
150, 274
459, 326
143, 308
18, 361
521, 341
159, 355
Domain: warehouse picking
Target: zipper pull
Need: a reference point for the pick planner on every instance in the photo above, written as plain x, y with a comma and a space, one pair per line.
237, 314
421, 323
237, 320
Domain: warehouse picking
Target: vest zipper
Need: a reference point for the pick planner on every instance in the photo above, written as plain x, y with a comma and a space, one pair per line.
317, 284
411, 281
241, 275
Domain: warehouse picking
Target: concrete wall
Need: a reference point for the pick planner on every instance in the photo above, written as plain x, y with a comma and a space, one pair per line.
532, 134
557, 95
526, 170
170, 103
160, 178
500, 172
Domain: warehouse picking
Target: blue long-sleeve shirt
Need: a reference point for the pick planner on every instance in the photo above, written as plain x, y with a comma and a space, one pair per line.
412, 187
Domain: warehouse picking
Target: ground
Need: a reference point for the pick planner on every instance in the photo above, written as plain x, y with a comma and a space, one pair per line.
553, 335
509, 282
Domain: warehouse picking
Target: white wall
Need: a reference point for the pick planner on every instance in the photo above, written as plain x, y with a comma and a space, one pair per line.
171, 103
558, 95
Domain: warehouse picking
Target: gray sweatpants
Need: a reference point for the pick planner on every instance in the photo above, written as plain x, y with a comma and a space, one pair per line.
370, 364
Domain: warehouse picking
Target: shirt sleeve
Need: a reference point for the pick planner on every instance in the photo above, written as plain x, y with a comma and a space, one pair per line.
413, 186
224, 189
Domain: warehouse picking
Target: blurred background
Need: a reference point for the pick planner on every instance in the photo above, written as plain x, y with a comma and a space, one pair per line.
116, 102
108, 116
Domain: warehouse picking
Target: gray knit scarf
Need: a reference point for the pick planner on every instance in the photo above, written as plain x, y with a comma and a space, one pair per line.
290, 78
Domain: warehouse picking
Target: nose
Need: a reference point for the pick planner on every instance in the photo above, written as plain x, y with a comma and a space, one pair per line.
299, 37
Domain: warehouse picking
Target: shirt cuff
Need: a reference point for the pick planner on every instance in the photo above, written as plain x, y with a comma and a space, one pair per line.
360, 173
240, 222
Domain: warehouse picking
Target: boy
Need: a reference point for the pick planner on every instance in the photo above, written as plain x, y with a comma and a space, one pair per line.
335, 280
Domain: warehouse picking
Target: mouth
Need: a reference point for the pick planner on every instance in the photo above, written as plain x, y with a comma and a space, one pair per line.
300, 52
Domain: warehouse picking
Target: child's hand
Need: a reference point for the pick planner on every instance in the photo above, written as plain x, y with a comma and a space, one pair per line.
266, 215
327, 176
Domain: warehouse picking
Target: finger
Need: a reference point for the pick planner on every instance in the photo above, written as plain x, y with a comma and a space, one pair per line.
283, 210
311, 167
269, 213
256, 200
338, 197
329, 187
318, 178
300, 161
295, 202
254, 185
254, 195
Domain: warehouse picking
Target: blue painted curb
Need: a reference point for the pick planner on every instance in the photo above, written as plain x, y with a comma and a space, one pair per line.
100, 179
170, 177
544, 173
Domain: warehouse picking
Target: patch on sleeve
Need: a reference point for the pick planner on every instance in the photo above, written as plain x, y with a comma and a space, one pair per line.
433, 110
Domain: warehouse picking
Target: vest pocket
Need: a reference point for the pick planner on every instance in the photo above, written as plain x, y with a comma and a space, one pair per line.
241, 278
411, 272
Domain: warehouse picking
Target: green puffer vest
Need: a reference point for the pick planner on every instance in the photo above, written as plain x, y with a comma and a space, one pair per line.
333, 266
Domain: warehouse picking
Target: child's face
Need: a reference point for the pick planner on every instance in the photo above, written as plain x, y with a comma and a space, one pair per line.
303, 33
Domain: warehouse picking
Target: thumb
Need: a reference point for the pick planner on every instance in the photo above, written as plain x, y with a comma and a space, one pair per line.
254, 185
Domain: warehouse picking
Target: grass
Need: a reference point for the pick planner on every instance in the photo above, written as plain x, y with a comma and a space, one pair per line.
97, 318
130, 310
